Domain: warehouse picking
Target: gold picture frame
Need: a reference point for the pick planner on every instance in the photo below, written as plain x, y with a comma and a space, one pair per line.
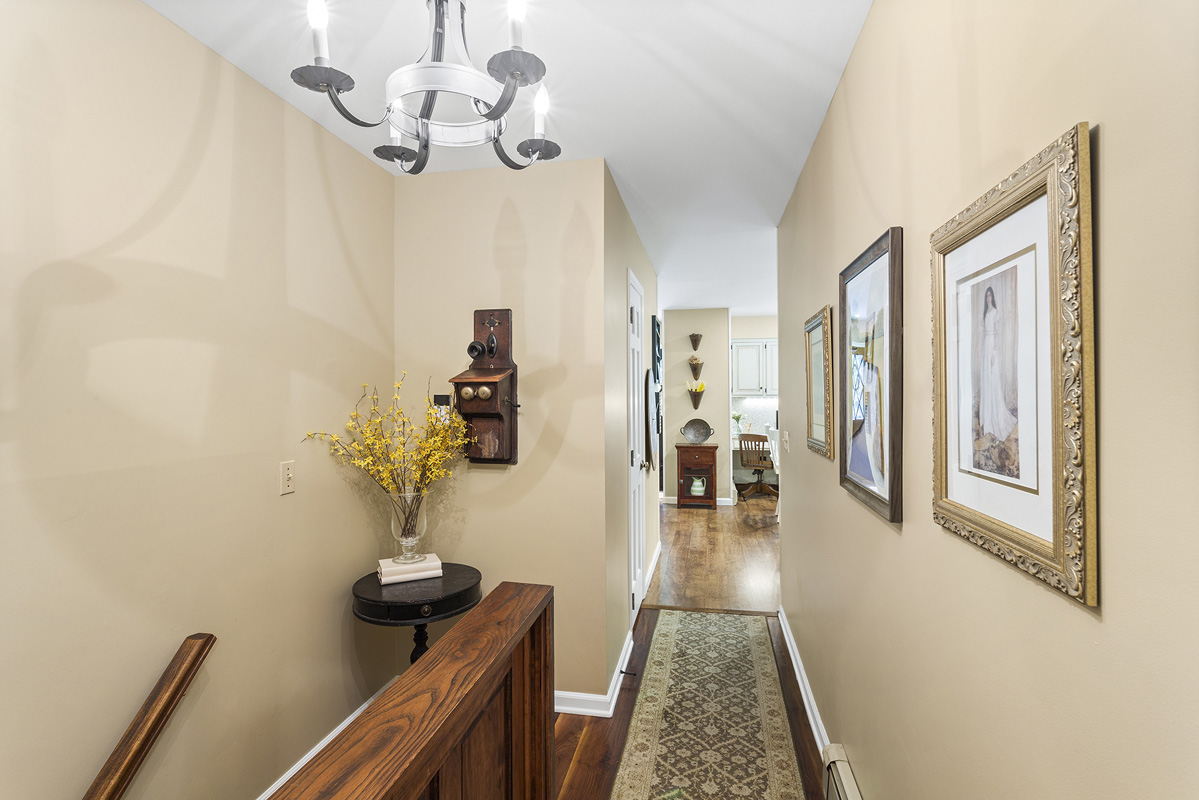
818, 339
1014, 450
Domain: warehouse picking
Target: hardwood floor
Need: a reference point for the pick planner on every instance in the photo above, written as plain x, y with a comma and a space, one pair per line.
722, 560
717, 561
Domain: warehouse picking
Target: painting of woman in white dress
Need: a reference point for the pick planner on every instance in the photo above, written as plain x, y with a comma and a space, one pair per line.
996, 411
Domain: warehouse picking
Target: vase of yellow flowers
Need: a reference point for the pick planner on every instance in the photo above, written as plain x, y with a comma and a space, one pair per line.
404, 458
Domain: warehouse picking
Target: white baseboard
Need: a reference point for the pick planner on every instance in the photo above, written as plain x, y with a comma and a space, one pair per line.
597, 705
805, 688
277, 785
720, 501
653, 564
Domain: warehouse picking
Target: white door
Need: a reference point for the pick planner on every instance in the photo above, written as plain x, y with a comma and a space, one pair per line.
637, 455
747, 368
772, 367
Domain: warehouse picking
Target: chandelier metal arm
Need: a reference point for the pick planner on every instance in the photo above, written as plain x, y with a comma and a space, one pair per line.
438, 53
334, 97
511, 85
422, 153
509, 162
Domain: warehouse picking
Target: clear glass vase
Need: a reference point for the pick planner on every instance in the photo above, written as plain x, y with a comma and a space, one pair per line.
407, 525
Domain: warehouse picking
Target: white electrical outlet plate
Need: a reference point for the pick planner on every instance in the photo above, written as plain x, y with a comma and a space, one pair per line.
786, 441
287, 477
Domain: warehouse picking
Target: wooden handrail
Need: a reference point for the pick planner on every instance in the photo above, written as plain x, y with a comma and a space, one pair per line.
127, 756
473, 718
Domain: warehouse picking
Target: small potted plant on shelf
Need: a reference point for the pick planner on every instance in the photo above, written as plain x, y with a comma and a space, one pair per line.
697, 366
402, 457
696, 390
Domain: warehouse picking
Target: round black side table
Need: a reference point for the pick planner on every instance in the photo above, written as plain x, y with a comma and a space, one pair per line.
417, 603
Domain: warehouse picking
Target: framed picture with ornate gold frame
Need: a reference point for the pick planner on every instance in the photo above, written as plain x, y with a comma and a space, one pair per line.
1014, 371
818, 360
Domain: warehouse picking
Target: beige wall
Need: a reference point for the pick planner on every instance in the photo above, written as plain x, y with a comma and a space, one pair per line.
754, 327
534, 242
677, 326
947, 673
623, 252
192, 274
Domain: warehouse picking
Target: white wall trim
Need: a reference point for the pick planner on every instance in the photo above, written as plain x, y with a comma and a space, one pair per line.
653, 565
277, 785
805, 688
596, 705
720, 501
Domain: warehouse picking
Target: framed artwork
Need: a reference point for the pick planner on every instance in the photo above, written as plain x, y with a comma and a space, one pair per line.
1014, 372
870, 368
818, 352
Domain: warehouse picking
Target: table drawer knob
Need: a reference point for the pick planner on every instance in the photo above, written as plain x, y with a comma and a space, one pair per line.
426, 610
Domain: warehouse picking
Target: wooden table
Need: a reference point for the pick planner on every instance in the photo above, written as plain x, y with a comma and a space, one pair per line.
696, 461
417, 603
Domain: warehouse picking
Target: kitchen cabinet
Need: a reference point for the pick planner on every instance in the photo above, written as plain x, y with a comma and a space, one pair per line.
755, 367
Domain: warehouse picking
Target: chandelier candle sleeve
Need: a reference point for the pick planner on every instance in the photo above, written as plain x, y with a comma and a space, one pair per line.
318, 18
516, 20
541, 107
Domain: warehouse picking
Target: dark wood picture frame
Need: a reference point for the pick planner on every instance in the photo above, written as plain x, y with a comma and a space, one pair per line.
890, 506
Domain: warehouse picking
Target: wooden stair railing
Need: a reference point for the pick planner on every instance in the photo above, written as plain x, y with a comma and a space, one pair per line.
471, 720
117, 773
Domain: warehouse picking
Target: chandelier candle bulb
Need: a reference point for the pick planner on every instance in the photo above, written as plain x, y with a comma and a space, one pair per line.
318, 18
516, 19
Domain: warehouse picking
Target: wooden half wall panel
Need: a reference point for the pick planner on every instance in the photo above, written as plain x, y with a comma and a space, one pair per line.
471, 720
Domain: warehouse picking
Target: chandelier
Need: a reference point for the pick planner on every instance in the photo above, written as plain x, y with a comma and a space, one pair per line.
445, 67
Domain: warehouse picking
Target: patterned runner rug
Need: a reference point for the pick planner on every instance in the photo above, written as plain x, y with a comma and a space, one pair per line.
709, 720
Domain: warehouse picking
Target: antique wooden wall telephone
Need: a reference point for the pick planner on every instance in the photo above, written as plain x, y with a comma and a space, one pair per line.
485, 394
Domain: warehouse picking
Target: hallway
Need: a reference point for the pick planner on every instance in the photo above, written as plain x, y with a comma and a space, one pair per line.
718, 561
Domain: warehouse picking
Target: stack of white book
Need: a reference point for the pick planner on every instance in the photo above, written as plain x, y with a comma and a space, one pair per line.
391, 571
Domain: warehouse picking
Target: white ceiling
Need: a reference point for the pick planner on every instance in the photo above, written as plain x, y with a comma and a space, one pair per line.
705, 110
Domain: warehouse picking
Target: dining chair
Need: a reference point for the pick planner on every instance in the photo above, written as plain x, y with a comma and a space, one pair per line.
755, 455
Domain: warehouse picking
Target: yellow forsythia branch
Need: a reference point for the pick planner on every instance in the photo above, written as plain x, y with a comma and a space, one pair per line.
397, 453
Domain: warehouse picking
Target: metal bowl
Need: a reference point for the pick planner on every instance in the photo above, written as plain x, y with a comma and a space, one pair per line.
697, 431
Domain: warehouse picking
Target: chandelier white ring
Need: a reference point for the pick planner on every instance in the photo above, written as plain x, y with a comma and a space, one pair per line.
449, 134
491, 94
